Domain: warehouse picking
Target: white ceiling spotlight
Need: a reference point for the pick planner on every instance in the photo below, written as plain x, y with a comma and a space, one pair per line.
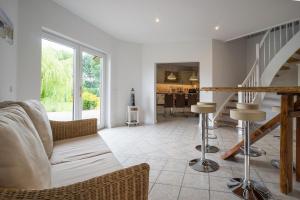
157, 20
217, 28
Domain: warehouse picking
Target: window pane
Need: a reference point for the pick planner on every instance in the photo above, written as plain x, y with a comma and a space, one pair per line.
91, 85
57, 80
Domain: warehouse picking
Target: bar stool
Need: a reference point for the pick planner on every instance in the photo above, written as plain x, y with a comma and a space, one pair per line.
275, 162
209, 148
169, 103
254, 151
180, 101
203, 164
246, 188
210, 135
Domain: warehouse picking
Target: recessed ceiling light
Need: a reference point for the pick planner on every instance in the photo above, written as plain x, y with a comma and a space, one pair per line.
217, 28
157, 20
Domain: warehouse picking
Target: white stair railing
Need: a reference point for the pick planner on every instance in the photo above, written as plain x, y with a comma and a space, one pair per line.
273, 40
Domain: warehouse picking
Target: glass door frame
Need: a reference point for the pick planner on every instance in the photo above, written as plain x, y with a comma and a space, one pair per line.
102, 86
77, 74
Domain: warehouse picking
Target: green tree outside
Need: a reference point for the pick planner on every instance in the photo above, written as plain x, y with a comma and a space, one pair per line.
57, 80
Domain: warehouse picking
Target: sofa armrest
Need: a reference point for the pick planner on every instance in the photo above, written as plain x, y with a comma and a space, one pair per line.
70, 129
127, 184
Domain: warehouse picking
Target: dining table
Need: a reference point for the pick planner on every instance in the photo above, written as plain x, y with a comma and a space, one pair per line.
289, 109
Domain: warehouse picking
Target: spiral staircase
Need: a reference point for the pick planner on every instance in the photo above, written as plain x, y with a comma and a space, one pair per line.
276, 54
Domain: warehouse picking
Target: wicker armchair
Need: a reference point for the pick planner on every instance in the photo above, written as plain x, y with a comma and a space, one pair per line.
127, 184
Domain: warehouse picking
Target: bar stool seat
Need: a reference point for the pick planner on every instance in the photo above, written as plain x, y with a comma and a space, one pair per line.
247, 115
247, 106
276, 109
246, 188
207, 103
203, 109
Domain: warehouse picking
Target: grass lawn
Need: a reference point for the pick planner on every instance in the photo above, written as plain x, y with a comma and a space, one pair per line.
52, 106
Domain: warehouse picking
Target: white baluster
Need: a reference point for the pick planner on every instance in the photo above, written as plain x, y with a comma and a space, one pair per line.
257, 64
286, 33
274, 42
269, 58
264, 55
280, 37
252, 84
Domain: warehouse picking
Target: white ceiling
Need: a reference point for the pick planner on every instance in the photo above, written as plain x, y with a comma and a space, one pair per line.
182, 20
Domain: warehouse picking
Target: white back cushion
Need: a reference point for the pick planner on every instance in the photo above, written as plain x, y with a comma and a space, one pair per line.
23, 160
38, 116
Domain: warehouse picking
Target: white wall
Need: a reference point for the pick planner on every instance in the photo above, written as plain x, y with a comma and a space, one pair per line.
229, 66
170, 53
34, 15
129, 59
8, 54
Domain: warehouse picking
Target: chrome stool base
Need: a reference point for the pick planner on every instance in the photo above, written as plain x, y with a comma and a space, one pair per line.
254, 152
275, 163
204, 165
251, 191
209, 149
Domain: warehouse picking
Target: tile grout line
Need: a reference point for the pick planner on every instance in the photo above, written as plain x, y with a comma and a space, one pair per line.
182, 181
155, 181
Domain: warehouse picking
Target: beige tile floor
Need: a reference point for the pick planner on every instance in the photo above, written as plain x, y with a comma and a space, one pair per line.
168, 146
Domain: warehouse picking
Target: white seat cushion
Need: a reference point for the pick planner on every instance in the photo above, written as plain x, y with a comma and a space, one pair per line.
78, 148
81, 170
79, 159
23, 160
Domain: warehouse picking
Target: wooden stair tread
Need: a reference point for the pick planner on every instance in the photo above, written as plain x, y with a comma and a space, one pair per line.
230, 107
298, 51
254, 136
234, 100
293, 60
285, 68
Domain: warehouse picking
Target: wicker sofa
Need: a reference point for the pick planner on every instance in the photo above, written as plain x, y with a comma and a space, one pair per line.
123, 184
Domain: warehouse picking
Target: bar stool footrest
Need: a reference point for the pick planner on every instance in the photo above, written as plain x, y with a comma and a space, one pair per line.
209, 149
212, 136
251, 191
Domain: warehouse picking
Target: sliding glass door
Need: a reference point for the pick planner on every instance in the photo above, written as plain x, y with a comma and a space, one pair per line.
71, 80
